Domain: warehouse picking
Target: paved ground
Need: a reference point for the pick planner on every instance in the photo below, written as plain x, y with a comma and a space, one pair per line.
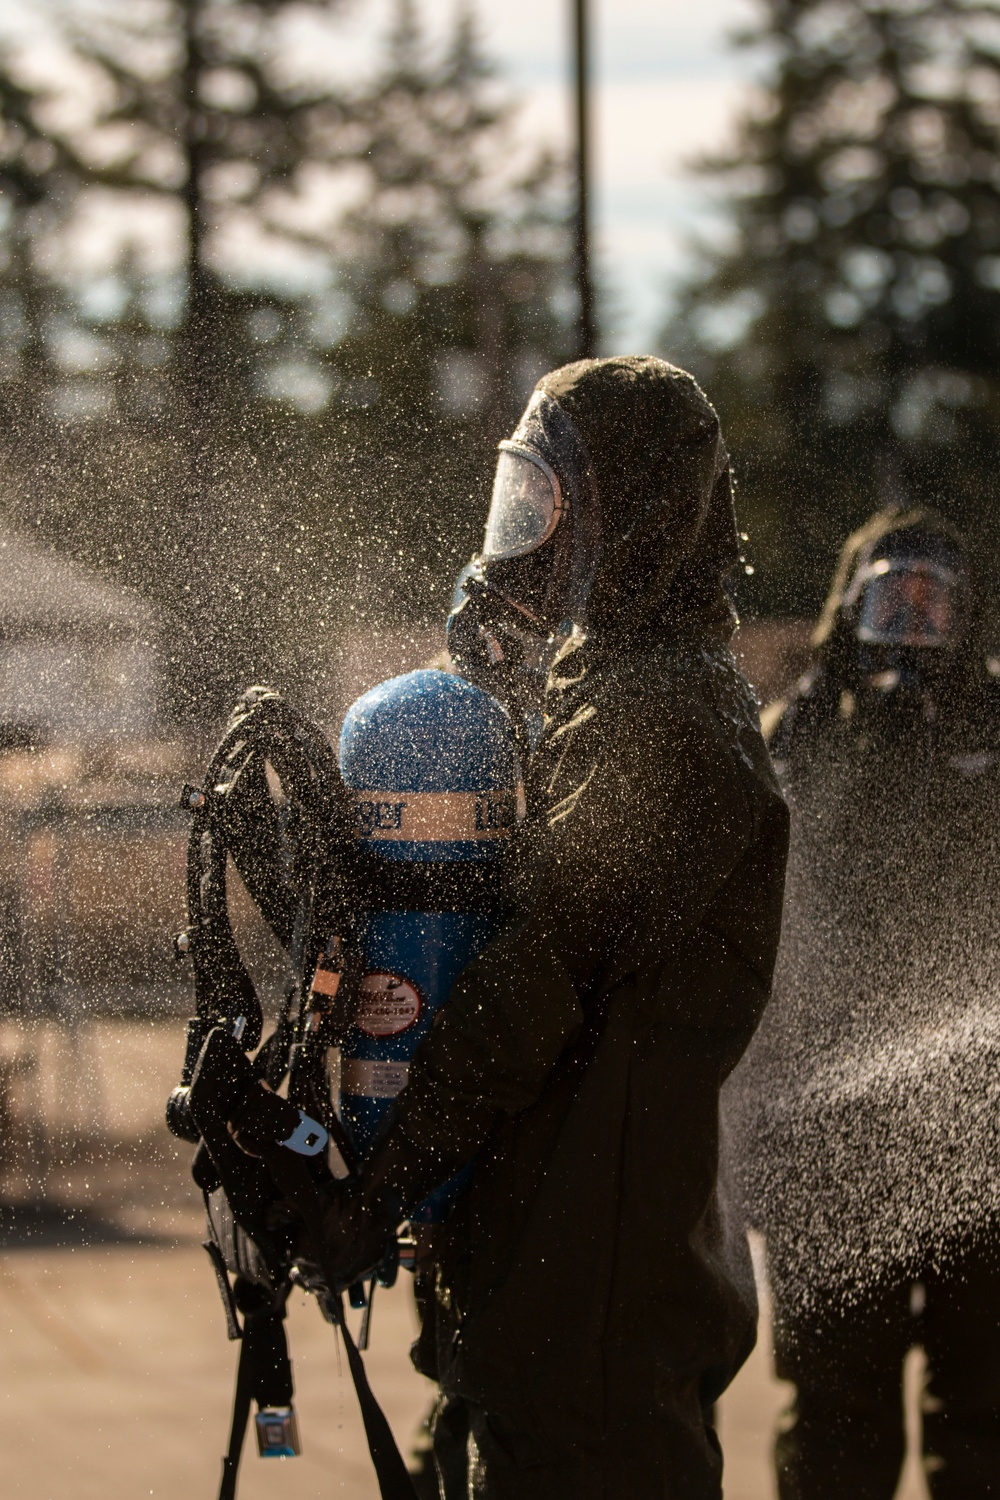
118, 1380
118, 1376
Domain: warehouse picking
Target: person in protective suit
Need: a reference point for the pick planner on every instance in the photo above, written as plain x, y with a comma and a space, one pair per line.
864, 1120
592, 1300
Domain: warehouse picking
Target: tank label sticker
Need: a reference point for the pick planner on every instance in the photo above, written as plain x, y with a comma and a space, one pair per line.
434, 817
387, 1005
373, 1080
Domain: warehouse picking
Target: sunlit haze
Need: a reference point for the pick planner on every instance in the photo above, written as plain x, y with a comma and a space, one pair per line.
667, 86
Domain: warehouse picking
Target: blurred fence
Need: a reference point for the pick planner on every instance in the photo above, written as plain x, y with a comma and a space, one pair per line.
89, 911
92, 855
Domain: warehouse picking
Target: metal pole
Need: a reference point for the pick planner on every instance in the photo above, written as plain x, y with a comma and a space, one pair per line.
585, 337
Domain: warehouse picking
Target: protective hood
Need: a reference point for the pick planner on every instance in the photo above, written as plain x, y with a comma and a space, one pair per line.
896, 529
650, 496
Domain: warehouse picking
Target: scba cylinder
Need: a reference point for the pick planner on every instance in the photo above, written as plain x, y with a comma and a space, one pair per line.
431, 766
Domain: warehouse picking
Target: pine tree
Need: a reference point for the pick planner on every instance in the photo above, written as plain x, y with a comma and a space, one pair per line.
192, 109
263, 440
851, 329
453, 259
37, 189
196, 109
453, 272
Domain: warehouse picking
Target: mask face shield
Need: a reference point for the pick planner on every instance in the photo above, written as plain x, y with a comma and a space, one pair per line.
909, 603
543, 533
526, 505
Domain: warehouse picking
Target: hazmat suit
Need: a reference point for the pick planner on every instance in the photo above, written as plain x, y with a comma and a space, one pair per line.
592, 1301
863, 1122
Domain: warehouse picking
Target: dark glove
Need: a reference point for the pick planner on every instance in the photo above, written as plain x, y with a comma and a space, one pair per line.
225, 1097
357, 1231
360, 1217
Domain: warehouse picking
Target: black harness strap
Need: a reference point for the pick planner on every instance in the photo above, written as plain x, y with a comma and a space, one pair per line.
242, 1398
394, 1479
236, 816
233, 1329
263, 1373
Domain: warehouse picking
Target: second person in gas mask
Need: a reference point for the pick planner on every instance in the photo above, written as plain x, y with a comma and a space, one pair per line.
865, 1120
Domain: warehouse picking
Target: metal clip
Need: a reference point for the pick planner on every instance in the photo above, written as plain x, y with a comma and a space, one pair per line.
192, 797
308, 1138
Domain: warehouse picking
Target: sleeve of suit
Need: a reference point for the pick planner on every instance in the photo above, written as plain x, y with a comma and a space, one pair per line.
641, 836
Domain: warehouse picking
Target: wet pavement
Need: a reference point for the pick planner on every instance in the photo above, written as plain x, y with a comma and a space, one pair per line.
118, 1381
119, 1378
117, 1375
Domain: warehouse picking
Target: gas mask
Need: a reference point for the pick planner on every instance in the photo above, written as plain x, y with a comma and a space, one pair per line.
529, 585
909, 611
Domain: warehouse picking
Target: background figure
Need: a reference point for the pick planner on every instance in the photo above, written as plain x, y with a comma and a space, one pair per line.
863, 1121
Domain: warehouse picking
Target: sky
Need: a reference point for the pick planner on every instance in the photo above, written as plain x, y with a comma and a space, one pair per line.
666, 88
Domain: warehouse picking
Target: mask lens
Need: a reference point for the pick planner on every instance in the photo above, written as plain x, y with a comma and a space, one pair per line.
908, 604
526, 504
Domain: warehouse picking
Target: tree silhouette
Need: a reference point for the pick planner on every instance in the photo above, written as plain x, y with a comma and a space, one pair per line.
242, 431
850, 328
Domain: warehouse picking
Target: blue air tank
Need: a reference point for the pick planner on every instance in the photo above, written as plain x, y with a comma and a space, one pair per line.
431, 766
